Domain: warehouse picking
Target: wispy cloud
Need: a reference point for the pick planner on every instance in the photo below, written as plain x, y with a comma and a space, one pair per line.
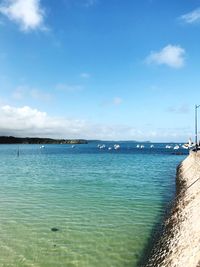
89, 3
183, 109
80, 3
68, 88
191, 17
117, 101
85, 75
174, 134
171, 55
28, 14
38, 95
24, 92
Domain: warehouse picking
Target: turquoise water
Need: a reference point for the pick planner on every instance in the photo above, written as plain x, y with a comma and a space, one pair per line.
104, 204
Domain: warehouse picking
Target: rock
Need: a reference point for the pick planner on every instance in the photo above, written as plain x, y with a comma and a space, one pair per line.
54, 229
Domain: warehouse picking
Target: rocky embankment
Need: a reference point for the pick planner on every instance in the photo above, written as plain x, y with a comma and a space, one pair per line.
179, 245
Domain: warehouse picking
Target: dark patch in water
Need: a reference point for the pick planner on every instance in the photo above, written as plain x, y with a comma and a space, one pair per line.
54, 229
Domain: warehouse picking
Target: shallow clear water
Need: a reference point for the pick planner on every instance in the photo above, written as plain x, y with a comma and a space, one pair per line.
104, 203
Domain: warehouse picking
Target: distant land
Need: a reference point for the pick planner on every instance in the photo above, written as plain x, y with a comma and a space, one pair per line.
37, 140
124, 141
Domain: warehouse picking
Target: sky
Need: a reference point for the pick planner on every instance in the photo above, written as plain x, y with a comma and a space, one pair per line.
100, 69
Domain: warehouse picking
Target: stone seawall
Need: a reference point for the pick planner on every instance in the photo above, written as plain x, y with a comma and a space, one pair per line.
179, 245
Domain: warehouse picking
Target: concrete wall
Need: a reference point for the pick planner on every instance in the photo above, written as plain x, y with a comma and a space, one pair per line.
179, 245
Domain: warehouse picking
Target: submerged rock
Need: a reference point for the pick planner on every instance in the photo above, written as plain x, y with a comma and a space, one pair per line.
54, 229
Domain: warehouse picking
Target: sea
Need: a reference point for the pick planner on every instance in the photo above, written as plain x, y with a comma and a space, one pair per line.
87, 205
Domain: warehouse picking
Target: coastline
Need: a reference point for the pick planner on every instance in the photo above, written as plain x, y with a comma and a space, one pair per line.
178, 245
39, 140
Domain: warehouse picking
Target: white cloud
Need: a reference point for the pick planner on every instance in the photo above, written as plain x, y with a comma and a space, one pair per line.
191, 17
85, 75
27, 121
170, 55
27, 13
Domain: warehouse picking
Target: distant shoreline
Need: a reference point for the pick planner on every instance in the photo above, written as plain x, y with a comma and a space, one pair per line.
38, 140
45, 140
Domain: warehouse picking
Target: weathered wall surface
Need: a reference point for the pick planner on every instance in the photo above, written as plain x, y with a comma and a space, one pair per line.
179, 245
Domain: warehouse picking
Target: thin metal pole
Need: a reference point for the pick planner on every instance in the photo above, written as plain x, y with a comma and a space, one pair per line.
196, 126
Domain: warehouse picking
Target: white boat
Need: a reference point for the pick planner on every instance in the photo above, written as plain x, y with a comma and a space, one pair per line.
188, 145
151, 146
116, 146
138, 146
41, 147
168, 146
142, 146
176, 147
110, 148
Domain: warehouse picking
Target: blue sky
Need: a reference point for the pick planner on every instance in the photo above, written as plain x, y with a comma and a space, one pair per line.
99, 69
